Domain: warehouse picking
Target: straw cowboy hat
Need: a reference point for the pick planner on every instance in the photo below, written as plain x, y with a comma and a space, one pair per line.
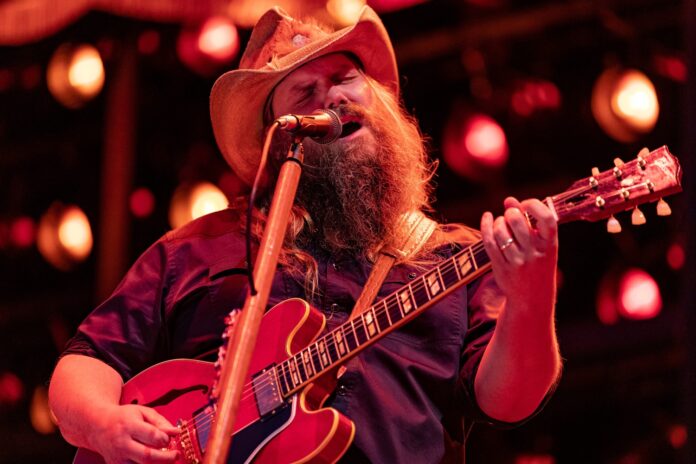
278, 45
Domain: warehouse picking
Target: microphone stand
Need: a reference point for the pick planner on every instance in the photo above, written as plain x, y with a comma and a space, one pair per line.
241, 344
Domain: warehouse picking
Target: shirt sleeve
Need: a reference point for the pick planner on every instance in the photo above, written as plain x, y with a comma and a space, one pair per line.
486, 301
124, 331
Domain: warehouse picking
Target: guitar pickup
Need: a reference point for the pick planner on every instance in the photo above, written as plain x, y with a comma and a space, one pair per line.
266, 391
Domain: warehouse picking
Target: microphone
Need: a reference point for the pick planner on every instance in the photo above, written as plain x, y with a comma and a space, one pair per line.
324, 126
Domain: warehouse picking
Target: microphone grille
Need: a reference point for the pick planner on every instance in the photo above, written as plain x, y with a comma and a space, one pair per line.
334, 131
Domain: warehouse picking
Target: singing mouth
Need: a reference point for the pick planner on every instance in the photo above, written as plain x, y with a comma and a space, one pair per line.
349, 128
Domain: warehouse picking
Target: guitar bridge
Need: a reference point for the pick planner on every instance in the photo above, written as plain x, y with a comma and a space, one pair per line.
267, 392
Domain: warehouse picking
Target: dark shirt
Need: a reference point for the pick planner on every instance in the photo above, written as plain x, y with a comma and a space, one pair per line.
406, 393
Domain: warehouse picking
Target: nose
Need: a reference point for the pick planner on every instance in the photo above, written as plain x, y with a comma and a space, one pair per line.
335, 97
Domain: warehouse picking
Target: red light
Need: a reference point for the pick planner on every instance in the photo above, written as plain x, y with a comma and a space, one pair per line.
384, 6
677, 435
676, 256
30, 77
23, 232
671, 67
219, 39
639, 295
535, 459
485, 140
535, 95
142, 202
11, 388
148, 42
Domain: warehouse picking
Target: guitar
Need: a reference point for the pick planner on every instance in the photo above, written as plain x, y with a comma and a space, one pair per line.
289, 380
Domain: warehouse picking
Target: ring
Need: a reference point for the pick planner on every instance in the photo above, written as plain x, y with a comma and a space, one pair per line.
507, 243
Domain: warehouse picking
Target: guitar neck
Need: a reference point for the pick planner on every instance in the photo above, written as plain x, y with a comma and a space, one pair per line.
400, 307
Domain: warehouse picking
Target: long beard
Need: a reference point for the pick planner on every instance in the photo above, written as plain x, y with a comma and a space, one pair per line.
356, 190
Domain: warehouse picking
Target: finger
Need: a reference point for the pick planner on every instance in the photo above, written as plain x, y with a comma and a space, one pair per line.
512, 202
159, 421
546, 226
145, 454
519, 226
502, 236
148, 434
489, 242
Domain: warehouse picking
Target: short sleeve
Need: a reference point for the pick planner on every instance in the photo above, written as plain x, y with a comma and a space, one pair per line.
124, 330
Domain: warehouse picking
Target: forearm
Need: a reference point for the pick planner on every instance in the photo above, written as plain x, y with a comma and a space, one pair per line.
520, 363
81, 390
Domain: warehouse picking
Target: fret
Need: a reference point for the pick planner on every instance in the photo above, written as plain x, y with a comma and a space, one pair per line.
369, 321
314, 356
386, 311
307, 361
293, 372
350, 336
456, 268
331, 347
360, 331
420, 294
304, 375
449, 275
382, 317
288, 377
395, 313
401, 309
439, 275
464, 264
323, 355
433, 283
406, 302
340, 344
473, 259
282, 381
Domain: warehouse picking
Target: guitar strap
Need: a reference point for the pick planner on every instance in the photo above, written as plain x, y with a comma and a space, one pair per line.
419, 229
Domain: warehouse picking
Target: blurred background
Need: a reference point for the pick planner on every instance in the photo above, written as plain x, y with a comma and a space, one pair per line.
105, 144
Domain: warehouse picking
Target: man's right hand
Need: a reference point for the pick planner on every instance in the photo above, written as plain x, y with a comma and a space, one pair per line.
133, 433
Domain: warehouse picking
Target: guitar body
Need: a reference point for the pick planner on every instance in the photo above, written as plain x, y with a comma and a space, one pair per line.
298, 431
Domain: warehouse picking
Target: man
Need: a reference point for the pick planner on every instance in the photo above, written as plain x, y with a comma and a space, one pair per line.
487, 351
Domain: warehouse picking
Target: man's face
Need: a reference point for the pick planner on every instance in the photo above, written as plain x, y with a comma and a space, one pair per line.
324, 83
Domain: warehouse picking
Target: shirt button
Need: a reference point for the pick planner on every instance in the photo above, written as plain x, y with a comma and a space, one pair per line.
342, 390
335, 308
411, 275
335, 266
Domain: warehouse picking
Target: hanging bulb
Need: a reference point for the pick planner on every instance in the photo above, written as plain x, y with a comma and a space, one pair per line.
663, 208
637, 218
613, 225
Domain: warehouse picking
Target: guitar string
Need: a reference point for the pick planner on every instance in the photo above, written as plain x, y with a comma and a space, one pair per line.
383, 309
329, 341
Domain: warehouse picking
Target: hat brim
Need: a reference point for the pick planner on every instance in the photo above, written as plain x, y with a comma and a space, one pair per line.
238, 97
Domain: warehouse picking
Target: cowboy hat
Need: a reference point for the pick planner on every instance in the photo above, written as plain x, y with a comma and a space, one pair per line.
278, 45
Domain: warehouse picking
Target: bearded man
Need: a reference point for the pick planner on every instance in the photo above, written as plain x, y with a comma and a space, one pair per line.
487, 351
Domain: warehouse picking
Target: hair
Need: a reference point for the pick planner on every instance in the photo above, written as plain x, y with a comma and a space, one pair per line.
402, 159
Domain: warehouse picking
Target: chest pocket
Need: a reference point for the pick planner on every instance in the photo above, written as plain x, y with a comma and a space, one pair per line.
438, 324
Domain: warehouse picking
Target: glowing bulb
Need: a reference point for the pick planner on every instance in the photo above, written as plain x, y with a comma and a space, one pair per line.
636, 101
218, 39
485, 140
639, 295
86, 73
207, 199
75, 234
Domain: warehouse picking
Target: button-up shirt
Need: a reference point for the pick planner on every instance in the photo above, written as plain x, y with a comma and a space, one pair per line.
406, 393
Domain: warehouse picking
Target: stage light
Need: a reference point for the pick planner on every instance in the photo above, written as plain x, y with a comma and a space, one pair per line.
386, 6
671, 67
141, 202
345, 12
191, 201
148, 42
23, 232
474, 145
208, 46
40, 413
639, 295
75, 74
624, 103
676, 256
65, 236
677, 436
11, 389
533, 95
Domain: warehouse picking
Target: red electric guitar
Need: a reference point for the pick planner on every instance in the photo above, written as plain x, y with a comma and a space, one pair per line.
287, 382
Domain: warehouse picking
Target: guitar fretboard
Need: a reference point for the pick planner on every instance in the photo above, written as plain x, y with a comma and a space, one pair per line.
349, 338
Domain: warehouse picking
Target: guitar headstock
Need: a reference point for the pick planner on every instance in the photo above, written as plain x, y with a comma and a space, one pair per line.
649, 177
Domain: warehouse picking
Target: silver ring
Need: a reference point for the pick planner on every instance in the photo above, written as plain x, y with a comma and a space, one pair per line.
507, 243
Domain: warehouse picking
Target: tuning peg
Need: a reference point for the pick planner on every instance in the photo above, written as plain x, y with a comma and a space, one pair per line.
642, 154
663, 208
618, 163
613, 225
595, 172
637, 218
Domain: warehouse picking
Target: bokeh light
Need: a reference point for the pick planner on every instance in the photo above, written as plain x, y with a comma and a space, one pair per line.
191, 201
65, 236
639, 295
75, 74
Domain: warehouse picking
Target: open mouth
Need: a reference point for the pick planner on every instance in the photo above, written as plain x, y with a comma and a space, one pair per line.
349, 128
